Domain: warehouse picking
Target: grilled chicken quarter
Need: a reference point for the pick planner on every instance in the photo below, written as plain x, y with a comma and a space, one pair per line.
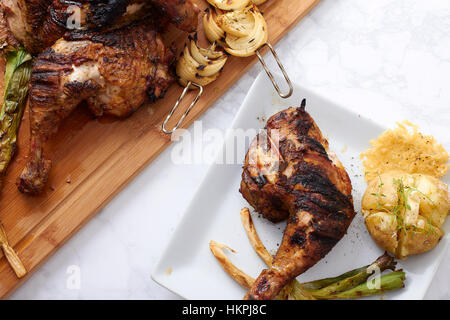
114, 72
293, 175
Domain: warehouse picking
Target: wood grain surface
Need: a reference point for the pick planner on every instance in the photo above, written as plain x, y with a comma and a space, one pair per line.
93, 159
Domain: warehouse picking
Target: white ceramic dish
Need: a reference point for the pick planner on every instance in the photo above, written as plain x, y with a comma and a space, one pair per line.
187, 266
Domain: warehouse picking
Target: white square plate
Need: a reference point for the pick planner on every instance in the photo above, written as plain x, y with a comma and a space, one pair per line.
187, 266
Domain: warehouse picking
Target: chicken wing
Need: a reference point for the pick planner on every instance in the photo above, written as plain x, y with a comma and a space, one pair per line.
292, 174
115, 72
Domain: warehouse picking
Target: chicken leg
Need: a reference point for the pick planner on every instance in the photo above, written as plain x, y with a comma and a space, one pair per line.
115, 72
295, 176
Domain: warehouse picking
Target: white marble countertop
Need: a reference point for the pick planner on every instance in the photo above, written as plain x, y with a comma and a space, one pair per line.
388, 59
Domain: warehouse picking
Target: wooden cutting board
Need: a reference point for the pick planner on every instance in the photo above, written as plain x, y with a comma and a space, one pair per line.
93, 159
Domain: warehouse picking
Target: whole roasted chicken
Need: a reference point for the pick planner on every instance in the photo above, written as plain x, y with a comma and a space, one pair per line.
289, 173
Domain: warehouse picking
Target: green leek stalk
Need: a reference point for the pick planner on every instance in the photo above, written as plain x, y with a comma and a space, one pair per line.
17, 77
349, 281
350, 285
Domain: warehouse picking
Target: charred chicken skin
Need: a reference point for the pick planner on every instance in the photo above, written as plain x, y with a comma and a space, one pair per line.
101, 14
23, 20
291, 174
66, 16
37, 24
114, 72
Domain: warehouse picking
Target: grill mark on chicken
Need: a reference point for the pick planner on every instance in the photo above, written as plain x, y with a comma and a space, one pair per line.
309, 188
313, 145
114, 80
313, 179
298, 238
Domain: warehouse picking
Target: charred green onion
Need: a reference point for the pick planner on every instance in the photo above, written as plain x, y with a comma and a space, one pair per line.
349, 285
17, 77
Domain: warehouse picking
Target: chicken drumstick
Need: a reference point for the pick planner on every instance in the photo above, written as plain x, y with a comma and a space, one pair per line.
295, 176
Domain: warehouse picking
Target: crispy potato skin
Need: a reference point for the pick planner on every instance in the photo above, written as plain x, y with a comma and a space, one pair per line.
411, 228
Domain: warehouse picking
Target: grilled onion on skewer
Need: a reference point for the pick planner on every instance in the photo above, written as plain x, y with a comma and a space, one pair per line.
246, 31
196, 68
199, 65
229, 4
212, 30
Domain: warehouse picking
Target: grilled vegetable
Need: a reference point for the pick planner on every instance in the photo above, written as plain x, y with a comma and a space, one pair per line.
350, 285
15, 83
229, 4
246, 31
212, 31
17, 76
200, 65
11, 255
236, 23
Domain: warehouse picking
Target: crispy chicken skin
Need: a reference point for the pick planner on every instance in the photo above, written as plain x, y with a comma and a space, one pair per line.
7, 39
115, 72
23, 20
37, 24
113, 14
182, 13
294, 176
91, 15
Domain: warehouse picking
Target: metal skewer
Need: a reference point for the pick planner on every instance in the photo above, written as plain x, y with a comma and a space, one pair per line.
200, 87
194, 102
269, 73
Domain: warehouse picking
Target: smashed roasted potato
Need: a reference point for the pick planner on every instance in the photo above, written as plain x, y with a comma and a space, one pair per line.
404, 212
